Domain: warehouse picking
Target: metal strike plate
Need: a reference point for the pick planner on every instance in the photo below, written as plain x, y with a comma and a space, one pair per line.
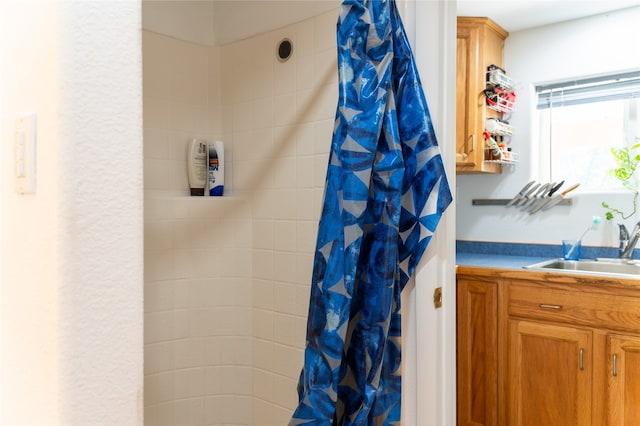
437, 297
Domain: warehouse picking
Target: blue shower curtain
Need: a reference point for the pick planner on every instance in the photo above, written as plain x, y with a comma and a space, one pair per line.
385, 192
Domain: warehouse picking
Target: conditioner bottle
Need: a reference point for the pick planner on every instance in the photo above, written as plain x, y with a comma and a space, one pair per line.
197, 166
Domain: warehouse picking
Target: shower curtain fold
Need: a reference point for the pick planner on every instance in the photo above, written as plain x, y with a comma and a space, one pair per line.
385, 192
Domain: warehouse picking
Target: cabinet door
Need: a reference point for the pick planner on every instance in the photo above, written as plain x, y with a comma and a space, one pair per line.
623, 404
477, 337
479, 44
550, 374
469, 144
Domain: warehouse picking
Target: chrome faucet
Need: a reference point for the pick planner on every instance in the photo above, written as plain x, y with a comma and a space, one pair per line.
628, 242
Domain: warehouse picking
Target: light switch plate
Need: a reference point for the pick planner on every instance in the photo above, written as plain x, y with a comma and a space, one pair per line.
25, 154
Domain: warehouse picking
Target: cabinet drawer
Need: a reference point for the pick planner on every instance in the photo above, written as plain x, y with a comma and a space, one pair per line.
530, 300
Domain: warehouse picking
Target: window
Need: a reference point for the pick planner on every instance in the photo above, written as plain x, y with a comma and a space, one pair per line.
581, 120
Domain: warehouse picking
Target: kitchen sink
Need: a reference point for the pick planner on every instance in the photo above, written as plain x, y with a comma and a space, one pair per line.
600, 266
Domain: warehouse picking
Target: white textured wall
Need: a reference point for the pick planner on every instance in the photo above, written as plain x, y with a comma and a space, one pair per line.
72, 252
584, 47
31, 324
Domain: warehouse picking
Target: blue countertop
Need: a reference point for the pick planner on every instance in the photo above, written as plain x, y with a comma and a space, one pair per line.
496, 261
517, 255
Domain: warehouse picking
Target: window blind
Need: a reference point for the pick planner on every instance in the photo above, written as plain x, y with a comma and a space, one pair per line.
597, 89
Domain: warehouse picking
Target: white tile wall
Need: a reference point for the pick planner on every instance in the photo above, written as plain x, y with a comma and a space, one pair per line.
227, 280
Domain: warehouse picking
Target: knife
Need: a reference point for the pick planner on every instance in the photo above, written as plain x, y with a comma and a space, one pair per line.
559, 197
521, 193
525, 197
555, 188
540, 194
545, 197
556, 198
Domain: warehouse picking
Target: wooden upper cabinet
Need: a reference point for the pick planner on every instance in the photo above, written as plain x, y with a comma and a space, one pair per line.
480, 43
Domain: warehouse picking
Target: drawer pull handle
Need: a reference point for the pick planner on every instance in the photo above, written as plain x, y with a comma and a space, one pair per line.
581, 359
615, 365
545, 306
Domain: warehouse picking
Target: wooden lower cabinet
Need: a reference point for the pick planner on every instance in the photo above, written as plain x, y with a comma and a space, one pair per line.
477, 362
623, 402
550, 374
547, 353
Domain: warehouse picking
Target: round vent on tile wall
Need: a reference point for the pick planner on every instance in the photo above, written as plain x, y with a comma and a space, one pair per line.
284, 50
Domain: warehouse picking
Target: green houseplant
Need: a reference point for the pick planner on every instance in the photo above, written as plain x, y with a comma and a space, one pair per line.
627, 161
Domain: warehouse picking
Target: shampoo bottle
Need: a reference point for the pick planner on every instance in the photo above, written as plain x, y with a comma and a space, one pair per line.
197, 166
215, 161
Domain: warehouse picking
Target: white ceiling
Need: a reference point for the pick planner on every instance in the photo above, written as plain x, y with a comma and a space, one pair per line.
515, 15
